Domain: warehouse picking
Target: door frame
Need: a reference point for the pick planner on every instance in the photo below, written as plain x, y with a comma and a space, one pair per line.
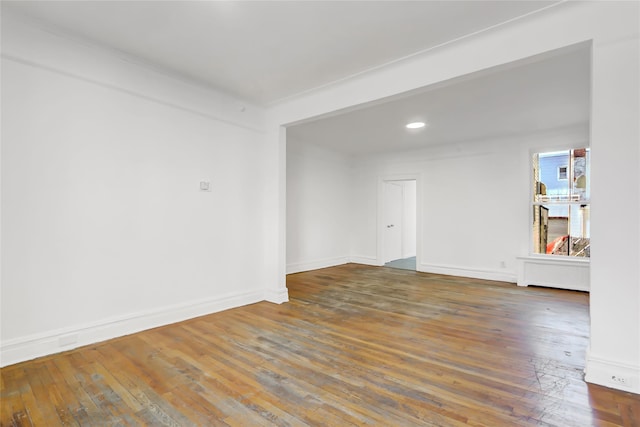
417, 177
393, 201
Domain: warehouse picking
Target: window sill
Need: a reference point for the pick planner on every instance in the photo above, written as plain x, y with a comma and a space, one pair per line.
559, 259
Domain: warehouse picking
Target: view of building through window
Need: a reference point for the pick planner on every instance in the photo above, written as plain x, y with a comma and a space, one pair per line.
561, 203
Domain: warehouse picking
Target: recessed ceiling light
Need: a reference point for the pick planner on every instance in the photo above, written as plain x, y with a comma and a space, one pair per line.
416, 125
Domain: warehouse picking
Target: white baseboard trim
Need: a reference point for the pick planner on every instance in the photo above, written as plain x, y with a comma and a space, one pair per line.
278, 296
51, 342
316, 264
501, 276
612, 374
366, 261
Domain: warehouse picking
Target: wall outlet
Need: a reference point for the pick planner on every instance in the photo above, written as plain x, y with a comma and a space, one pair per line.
620, 380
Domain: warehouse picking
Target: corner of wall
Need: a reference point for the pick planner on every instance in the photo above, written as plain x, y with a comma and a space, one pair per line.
612, 374
366, 260
298, 267
277, 296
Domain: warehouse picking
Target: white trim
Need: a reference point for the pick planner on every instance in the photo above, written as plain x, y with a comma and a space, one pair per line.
30, 347
380, 227
365, 260
566, 173
473, 273
121, 56
116, 70
298, 267
410, 57
277, 296
280, 293
135, 93
573, 142
554, 272
601, 371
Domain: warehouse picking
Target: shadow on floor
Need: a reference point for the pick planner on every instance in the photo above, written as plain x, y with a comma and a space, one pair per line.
403, 264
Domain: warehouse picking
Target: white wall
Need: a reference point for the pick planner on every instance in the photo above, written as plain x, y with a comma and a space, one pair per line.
104, 229
474, 214
613, 30
318, 206
615, 219
409, 219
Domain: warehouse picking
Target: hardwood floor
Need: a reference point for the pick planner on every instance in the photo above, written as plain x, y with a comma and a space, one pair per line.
356, 345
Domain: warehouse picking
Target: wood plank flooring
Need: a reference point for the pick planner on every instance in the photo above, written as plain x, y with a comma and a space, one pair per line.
356, 345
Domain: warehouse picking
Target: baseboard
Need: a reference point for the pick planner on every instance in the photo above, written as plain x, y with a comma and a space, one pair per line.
315, 265
34, 346
365, 260
277, 296
612, 374
501, 276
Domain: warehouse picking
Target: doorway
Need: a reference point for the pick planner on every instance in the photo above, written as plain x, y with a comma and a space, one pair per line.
399, 230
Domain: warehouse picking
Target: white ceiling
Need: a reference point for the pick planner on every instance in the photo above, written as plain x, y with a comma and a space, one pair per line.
539, 95
265, 51
268, 51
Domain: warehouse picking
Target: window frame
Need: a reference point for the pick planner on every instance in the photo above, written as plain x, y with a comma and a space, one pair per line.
566, 172
569, 202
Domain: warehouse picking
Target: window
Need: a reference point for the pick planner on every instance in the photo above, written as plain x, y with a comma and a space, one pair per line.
561, 203
563, 173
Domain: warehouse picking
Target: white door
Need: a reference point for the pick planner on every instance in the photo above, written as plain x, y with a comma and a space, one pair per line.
392, 240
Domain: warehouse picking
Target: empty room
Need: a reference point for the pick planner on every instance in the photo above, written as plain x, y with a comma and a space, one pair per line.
245, 213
